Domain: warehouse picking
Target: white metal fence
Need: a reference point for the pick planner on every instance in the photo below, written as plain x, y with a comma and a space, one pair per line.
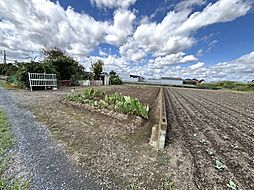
42, 80
96, 82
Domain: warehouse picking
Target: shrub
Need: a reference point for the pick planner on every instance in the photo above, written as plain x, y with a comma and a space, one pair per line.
114, 78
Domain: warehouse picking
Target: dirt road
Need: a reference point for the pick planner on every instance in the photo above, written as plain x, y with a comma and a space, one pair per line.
215, 130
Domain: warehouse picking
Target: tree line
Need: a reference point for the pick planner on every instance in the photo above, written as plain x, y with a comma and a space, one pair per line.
58, 62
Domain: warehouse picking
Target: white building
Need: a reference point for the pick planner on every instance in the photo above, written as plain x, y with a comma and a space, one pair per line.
165, 81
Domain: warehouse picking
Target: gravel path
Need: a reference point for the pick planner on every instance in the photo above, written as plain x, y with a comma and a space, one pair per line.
46, 165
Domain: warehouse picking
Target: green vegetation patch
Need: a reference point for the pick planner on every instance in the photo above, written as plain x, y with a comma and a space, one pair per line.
115, 101
231, 85
6, 143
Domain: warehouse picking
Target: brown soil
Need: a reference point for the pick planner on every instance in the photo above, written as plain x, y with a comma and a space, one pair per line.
101, 144
202, 122
204, 126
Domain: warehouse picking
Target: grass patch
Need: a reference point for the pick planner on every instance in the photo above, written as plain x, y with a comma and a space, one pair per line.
7, 85
229, 85
6, 143
115, 101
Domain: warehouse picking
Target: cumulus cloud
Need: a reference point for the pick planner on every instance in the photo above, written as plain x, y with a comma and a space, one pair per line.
240, 69
174, 33
189, 3
30, 25
121, 28
151, 48
113, 3
179, 58
196, 66
219, 12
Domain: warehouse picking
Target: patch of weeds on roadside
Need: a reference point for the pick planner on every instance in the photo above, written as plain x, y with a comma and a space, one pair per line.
163, 158
219, 165
232, 185
6, 143
167, 183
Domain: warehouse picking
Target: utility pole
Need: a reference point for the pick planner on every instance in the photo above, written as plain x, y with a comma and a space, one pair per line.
5, 57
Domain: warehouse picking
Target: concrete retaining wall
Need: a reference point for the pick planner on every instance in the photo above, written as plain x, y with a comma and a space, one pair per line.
159, 131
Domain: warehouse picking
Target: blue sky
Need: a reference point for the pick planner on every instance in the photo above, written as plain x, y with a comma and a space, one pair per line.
189, 39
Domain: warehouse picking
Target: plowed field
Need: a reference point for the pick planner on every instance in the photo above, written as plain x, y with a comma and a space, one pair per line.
215, 132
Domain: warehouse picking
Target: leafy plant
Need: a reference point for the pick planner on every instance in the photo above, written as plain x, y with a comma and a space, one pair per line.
115, 101
210, 151
133, 186
167, 183
219, 165
232, 185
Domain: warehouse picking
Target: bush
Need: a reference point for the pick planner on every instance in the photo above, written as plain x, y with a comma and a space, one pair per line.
114, 78
238, 86
32, 67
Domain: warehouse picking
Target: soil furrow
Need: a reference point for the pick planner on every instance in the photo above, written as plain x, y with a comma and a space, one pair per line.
204, 121
200, 160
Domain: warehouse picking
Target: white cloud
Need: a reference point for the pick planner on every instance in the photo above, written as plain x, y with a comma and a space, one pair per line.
219, 12
189, 3
174, 33
196, 66
240, 69
171, 59
113, 3
121, 28
30, 25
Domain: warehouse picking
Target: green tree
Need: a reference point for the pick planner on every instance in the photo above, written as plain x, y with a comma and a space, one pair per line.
8, 69
96, 69
65, 66
114, 78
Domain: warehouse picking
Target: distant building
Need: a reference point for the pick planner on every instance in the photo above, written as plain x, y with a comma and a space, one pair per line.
193, 81
105, 78
165, 81
132, 78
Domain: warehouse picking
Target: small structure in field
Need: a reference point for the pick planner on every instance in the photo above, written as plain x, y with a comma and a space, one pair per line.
65, 82
170, 81
42, 80
105, 78
132, 78
103, 81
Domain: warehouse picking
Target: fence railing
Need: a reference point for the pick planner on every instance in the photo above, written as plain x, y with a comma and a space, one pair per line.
91, 82
42, 80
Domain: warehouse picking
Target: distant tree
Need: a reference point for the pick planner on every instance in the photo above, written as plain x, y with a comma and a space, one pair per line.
112, 73
8, 69
96, 69
114, 78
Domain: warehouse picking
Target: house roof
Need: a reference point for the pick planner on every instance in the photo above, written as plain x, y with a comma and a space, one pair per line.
104, 74
135, 76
